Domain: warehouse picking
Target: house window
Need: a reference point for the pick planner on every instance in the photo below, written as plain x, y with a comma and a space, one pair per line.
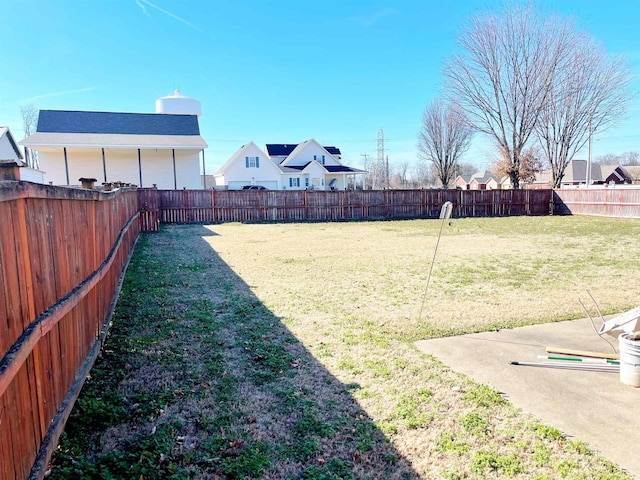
323, 159
252, 162
294, 182
306, 182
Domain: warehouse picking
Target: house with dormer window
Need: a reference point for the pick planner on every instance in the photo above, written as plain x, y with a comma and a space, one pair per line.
302, 166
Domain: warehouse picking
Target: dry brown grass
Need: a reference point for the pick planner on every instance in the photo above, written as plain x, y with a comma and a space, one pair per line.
352, 294
502, 271
297, 341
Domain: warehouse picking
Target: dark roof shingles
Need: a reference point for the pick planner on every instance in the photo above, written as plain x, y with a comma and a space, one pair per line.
278, 149
65, 121
285, 149
340, 168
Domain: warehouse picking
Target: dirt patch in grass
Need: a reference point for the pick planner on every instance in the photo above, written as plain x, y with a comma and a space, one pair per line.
285, 351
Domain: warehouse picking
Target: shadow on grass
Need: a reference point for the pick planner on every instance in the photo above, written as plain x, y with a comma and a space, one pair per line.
198, 379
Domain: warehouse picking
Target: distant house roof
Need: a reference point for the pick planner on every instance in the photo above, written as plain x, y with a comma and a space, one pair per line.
614, 173
64, 128
285, 149
483, 176
576, 172
116, 123
633, 171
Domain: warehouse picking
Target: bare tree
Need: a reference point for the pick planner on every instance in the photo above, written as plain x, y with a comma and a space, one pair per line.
503, 75
590, 92
631, 158
608, 159
466, 169
29, 122
444, 136
422, 175
401, 172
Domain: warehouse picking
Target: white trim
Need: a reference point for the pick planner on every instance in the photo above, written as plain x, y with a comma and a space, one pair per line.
48, 139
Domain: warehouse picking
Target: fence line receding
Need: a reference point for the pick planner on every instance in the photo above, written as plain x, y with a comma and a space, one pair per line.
61, 258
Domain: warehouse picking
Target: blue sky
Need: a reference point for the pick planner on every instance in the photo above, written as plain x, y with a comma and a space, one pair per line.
266, 70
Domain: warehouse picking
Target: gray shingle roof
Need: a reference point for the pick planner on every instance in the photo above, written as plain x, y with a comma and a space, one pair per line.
66, 121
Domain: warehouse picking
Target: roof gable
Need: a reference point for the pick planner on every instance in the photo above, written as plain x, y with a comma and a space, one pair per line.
285, 149
483, 176
303, 146
6, 133
239, 155
66, 121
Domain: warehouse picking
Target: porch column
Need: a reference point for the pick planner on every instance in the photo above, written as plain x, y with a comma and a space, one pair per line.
66, 164
140, 168
204, 172
104, 167
175, 178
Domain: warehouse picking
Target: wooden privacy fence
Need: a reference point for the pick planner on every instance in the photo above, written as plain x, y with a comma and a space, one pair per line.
61, 258
201, 206
601, 201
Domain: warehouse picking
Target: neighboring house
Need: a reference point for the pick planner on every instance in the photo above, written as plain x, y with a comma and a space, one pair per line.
576, 174
614, 174
479, 180
634, 173
482, 180
11, 156
462, 182
144, 149
304, 166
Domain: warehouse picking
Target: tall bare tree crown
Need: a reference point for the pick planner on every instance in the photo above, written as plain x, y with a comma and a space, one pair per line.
515, 68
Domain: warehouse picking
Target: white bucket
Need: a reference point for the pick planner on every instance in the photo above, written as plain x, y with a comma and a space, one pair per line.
629, 360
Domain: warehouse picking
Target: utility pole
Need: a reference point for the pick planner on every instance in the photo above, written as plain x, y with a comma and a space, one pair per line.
380, 161
386, 168
588, 180
365, 161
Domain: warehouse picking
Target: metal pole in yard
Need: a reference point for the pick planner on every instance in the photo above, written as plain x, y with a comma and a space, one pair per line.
445, 214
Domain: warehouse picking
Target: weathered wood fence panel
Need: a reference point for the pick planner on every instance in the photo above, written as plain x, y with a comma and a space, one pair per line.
600, 201
61, 258
201, 206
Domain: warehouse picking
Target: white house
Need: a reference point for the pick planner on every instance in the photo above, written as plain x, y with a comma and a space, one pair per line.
482, 180
145, 149
304, 166
10, 155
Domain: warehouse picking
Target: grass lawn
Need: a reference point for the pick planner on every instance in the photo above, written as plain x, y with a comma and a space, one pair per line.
285, 351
